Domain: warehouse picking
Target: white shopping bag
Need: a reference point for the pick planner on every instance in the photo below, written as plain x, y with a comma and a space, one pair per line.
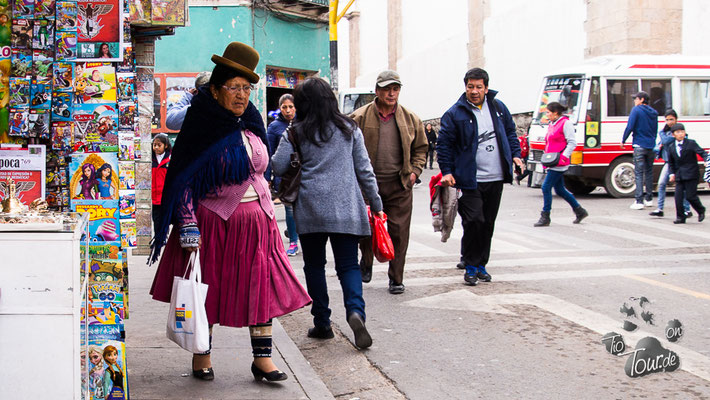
187, 321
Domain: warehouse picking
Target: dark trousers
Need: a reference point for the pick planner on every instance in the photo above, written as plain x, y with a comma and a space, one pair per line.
346, 265
478, 209
397, 204
687, 189
429, 158
155, 212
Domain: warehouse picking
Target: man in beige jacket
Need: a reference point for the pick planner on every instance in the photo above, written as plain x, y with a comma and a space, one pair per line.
397, 146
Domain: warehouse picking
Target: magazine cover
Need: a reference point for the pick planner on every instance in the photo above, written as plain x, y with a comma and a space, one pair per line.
104, 224
19, 92
106, 269
127, 204
128, 233
127, 65
95, 83
42, 64
100, 30
66, 16
41, 94
44, 9
21, 63
125, 83
27, 168
96, 124
107, 369
168, 12
126, 141
93, 176
21, 34
38, 121
62, 73
62, 135
126, 116
61, 106
103, 250
66, 45
18, 122
106, 300
127, 174
43, 34
137, 148
23, 9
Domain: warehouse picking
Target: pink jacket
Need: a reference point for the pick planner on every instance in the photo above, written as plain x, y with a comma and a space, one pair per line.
555, 141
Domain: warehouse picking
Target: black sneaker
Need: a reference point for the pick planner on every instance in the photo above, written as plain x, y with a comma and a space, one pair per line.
483, 275
470, 278
461, 265
688, 214
366, 272
396, 288
321, 332
657, 213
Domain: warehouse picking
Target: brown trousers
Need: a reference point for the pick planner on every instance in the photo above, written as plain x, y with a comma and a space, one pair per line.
397, 204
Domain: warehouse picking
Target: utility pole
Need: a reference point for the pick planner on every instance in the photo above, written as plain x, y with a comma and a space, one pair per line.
333, 19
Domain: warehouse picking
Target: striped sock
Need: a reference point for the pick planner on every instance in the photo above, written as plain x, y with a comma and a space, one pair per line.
261, 339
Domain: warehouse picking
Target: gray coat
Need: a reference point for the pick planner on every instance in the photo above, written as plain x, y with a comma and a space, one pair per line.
332, 176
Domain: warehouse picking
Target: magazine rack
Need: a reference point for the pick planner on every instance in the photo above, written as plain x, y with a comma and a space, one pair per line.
42, 287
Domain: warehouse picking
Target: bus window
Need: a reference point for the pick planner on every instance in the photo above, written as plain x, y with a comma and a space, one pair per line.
618, 97
660, 92
695, 97
353, 101
566, 90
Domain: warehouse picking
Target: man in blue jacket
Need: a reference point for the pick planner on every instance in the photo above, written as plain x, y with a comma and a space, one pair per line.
476, 148
643, 122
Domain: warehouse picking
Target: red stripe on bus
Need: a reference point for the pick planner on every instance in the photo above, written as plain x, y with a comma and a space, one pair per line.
670, 66
685, 121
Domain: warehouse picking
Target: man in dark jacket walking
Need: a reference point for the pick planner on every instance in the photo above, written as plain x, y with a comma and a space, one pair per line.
683, 163
476, 150
643, 122
431, 138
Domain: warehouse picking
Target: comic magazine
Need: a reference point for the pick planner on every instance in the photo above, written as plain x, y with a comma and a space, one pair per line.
106, 300
93, 176
41, 94
18, 122
103, 250
127, 65
107, 369
168, 12
95, 83
44, 9
21, 34
61, 106
100, 29
106, 269
95, 126
104, 224
126, 116
66, 16
62, 135
43, 34
66, 45
128, 233
127, 173
19, 92
27, 168
42, 63
38, 121
62, 72
125, 145
21, 61
127, 204
137, 148
23, 9
126, 85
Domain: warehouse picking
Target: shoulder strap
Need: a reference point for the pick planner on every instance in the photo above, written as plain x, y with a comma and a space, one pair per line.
292, 138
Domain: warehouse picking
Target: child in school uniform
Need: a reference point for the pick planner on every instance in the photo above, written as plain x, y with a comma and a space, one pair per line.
683, 164
161, 159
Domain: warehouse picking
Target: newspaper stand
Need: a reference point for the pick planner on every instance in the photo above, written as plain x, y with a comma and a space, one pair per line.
42, 287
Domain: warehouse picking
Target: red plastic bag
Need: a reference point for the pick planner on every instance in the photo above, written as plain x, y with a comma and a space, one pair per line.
381, 241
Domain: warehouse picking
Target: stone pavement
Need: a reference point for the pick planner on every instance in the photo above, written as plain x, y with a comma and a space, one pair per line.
159, 369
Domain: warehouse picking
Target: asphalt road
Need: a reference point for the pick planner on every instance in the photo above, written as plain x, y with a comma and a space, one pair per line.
535, 331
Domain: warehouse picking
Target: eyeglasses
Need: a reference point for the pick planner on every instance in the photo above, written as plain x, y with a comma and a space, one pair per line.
235, 89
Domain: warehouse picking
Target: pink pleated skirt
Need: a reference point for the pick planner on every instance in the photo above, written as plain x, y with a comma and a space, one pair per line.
244, 263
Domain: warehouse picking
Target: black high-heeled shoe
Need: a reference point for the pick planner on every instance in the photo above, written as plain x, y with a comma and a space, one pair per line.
272, 376
206, 374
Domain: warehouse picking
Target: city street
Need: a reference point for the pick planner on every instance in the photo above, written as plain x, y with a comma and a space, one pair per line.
536, 330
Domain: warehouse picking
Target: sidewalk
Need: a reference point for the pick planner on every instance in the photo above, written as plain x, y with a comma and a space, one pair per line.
159, 369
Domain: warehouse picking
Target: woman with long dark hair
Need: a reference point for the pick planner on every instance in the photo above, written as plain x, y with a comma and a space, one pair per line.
217, 198
559, 139
330, 205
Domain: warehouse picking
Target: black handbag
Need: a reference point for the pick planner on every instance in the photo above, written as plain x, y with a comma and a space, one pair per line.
291, 179
550, 159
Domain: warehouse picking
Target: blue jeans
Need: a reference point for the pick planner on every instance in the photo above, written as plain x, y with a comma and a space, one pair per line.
291, 224
346, 265
554, 179
643, 169
662, 183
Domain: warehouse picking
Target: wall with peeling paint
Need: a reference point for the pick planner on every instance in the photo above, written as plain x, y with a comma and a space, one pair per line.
301, 45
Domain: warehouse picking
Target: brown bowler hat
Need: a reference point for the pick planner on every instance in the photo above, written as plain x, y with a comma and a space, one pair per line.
240, 57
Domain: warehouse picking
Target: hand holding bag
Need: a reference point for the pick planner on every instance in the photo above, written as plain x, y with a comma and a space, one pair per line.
291, 180
550, 159
382, 245
187, 322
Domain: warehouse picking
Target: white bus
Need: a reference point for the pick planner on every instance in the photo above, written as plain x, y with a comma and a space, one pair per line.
598, 95
354, 98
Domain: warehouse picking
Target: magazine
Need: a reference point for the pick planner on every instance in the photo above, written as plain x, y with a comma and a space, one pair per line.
19, 92
104, 224
62, 135
62, 72
126, 141
21, 61
93, 177
41, 94
43, 34
38, 123
127, 204
95, 124
66, 16
61, 106
128, 233
21, 32
66, 45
